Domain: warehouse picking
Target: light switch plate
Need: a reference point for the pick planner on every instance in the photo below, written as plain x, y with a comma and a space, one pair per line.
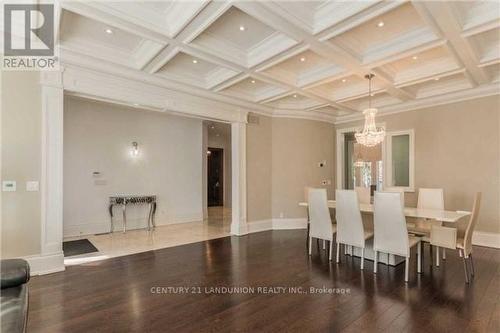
9, 186
32, 186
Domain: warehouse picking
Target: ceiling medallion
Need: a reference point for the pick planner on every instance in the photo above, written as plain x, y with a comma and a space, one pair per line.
371, 135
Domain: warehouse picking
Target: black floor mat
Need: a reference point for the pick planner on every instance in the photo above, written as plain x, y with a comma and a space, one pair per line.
81, 246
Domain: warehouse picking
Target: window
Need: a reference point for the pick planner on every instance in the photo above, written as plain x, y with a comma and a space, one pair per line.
400, 157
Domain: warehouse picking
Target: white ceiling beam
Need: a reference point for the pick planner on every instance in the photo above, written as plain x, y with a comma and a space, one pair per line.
440, 16
330, 51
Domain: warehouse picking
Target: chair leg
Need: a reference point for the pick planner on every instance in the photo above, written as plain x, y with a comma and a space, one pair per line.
310, 245
419, 257
308, 229
324, 244
471, 265
466, 270
363, 258
437, 256
444, 253
331, 250
431, 256
407, 266
338, 252
375, 259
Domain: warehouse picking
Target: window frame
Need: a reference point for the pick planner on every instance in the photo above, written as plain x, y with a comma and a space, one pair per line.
387, 147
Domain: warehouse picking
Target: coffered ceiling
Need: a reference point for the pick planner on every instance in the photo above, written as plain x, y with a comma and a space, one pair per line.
295, 57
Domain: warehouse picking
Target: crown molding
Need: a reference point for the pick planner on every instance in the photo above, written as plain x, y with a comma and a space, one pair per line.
457, 96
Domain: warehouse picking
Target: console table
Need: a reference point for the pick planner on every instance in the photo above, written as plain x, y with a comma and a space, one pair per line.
124, 200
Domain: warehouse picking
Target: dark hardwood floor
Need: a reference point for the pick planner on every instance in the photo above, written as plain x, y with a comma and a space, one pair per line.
115, 295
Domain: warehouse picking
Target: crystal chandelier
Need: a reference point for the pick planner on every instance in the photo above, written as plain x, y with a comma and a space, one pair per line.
371, 135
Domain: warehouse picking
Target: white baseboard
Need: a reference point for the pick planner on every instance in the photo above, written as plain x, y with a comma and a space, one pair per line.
239, 229
488, 239
181, 219
46, 263
85, 229
285, 224
481, 238
132, 224
277, 224
258, 226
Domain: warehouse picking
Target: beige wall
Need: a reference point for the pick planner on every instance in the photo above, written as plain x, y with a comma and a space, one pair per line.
98, 137
456, 148
259, 169
21, 161
297, 148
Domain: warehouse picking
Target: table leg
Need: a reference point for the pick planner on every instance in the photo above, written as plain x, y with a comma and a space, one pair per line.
150, 216
153, 216
124, 213
111, 226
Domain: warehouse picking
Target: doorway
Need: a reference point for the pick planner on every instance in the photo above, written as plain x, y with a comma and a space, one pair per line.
358, 165
215, 177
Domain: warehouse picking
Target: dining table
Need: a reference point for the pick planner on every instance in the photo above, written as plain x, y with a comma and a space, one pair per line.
429, 215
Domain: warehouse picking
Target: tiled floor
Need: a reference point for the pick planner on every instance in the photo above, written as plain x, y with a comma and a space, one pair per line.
135, 241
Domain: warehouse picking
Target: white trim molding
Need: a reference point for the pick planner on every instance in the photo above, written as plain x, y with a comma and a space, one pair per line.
46, 263
239, 179
287, 224
51, 258
258, 226
277, 224
388, 165
488, 239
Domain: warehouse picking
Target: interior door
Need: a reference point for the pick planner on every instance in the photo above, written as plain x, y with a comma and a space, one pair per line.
215, 177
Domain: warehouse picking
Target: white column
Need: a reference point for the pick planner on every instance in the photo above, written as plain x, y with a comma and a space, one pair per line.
239, 179
52, 171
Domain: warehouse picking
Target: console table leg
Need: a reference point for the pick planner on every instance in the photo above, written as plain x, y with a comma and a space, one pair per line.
153, 215
124, 213
150, 216
111, 227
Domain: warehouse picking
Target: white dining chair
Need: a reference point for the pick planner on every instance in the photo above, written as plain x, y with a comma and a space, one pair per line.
350, 229
429, 198
363, 194
390, 231
453, 238
321, 226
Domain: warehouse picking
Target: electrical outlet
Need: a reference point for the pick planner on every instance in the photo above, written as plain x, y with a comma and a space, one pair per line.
324, 182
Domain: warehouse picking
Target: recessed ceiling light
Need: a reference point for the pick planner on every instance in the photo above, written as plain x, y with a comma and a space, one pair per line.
302, 59
414, 57
242, 28
253, 81
294, 95
136, 104
195, 61
212, 127
436, 79
380, 24
344, 80
109, 31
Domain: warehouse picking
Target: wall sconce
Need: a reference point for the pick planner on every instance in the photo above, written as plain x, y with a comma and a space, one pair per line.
135, 149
